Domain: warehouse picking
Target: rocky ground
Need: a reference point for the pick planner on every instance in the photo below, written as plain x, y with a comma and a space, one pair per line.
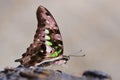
37, 73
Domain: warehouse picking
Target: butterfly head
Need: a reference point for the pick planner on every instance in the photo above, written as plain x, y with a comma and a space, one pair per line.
65, 58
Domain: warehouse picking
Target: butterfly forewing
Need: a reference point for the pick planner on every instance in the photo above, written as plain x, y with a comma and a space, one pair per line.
47, 42
52, 36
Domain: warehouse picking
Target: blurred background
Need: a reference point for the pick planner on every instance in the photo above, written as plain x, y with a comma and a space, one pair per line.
90, 25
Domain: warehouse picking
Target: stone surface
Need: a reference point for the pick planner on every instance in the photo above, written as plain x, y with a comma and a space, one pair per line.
34, 73
38, 73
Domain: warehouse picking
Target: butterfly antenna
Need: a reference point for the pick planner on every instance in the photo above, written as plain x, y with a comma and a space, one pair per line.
75, 54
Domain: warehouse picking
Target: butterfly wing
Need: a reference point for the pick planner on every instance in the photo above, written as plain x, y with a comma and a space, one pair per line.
52, 37
47, 42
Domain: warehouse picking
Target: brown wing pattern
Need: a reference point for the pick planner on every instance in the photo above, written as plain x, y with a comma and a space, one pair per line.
47, 42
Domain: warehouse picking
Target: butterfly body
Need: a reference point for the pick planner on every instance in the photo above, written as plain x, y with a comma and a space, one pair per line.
47, 47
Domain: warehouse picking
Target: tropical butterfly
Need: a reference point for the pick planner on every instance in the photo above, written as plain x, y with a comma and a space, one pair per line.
47, 47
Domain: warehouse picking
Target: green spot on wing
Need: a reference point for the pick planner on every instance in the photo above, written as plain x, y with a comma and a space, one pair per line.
56, 53
59, 45
59, 51
56, 47
46, 31
48, 43
47, 37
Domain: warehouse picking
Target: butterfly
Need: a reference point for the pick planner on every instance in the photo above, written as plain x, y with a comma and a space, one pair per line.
47, 46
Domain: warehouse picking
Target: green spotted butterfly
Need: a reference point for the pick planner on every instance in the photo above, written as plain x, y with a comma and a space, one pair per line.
47, 47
